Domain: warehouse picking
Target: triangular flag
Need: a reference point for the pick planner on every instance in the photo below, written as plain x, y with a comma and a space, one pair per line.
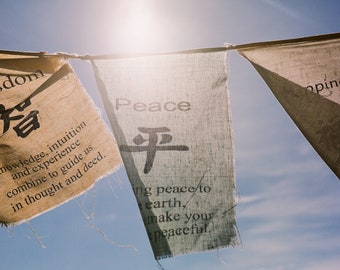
53, 142
304, 76
171, 117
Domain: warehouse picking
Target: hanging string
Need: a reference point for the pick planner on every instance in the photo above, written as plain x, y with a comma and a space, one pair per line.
226, 47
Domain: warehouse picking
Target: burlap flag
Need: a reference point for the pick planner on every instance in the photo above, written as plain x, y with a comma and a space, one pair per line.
171, 117
304, 75
53, 142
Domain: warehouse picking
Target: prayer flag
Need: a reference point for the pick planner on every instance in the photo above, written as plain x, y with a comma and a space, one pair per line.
170, 114
53, 142
304, 76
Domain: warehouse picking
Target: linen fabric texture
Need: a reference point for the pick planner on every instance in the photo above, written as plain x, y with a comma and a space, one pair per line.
53, 142
170, 114
303, 74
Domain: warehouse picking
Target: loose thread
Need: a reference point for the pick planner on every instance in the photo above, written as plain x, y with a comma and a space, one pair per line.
90, 220
37, 237
112, 189
9, 230
219, 257
160, 266
93, 206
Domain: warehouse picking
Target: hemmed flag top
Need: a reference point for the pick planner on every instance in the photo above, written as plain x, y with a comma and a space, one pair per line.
53, 142
171, 117
304, 75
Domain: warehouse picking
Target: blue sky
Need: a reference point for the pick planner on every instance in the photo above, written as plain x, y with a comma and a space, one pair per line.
288, 210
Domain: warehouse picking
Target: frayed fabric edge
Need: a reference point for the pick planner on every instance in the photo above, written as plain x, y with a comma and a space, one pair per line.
12, 224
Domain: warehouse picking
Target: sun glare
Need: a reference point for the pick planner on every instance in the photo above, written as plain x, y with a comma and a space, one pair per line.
140, 29
139, 25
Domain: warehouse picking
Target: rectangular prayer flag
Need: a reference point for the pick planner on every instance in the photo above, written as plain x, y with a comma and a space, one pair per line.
304, 75
170, 114
53, 142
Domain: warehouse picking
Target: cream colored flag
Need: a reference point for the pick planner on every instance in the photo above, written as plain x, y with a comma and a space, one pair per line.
304, 75
53, 142
171, 117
